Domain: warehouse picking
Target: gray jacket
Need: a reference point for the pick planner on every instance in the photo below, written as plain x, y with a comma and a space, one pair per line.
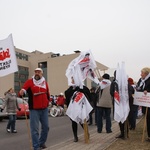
104, 99
11, 103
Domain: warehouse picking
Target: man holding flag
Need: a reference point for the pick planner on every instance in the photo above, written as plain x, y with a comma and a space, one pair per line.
77, 102
78, 95
120, 93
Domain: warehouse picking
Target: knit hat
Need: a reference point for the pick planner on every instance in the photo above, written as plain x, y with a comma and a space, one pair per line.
106, 76
130, 80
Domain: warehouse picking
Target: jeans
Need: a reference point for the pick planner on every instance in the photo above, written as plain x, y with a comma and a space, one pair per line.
11, 122
39, 137
100, 112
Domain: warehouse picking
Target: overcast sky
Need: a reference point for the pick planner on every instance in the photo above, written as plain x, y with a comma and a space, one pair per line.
114, 30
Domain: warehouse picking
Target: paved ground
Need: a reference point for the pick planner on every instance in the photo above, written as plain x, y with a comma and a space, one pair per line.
98, 141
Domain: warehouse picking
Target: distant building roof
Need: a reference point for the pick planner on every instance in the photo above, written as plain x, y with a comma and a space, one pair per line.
77, 51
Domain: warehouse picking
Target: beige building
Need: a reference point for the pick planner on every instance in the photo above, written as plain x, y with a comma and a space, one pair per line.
53, 65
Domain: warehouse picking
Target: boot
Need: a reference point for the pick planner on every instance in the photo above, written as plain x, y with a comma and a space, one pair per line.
75, 136
75, 129
75, 139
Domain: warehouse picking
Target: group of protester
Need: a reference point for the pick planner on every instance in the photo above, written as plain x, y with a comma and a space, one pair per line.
58, 100
102, 99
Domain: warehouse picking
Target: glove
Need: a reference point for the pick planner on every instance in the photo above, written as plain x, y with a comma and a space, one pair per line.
19, 109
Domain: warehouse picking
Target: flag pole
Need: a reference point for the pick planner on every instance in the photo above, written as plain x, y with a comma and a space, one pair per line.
27, 123
86, 132
28, 128
144, 124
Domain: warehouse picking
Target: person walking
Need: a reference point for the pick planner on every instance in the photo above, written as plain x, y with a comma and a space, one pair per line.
69, 94
104, 104
113, 90
11, 105
39, 96
143, 85
133, 108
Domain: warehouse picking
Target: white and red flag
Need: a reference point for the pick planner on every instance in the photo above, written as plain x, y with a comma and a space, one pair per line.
8, 62
121, 96
79, 108
81, 68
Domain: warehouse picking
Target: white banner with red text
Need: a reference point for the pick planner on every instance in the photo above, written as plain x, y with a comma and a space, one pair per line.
8, 62
141, 99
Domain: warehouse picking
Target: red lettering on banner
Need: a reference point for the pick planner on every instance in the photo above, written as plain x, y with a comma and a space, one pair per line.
78, 96
5, 54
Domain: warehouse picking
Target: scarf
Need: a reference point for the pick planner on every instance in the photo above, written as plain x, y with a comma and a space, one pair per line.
142, 83
105, 83
40, 83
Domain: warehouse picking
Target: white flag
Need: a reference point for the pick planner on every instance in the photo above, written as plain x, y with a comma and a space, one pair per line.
79, 108
8, 62
81, 68
122, 100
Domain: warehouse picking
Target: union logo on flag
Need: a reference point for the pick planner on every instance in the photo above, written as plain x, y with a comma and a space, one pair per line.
117, 97
78, 97
8, 62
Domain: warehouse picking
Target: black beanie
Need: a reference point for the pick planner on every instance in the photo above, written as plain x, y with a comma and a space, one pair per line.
106, 76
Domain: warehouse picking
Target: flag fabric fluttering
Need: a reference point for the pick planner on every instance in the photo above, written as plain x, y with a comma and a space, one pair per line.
121, 96
81, 68
79, 108
8, 62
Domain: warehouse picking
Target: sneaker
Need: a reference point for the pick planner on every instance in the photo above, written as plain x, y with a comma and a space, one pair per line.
14, 131
109, 131
132, 128
8, 130
120, 136
75, 139
43, 146
148, 139
90, 124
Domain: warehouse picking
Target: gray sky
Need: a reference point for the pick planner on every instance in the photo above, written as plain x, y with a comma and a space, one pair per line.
114, 30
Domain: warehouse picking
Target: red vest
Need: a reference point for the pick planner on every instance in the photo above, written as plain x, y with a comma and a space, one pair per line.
38, 96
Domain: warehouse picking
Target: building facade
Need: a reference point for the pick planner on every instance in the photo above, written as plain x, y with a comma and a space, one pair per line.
54, 67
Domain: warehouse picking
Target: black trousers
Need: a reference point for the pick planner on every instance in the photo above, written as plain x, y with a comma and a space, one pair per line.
148, 122
75, 128
124, 128
121, 125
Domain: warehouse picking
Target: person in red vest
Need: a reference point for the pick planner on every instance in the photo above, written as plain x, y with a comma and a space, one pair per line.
39, 96
61, 100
